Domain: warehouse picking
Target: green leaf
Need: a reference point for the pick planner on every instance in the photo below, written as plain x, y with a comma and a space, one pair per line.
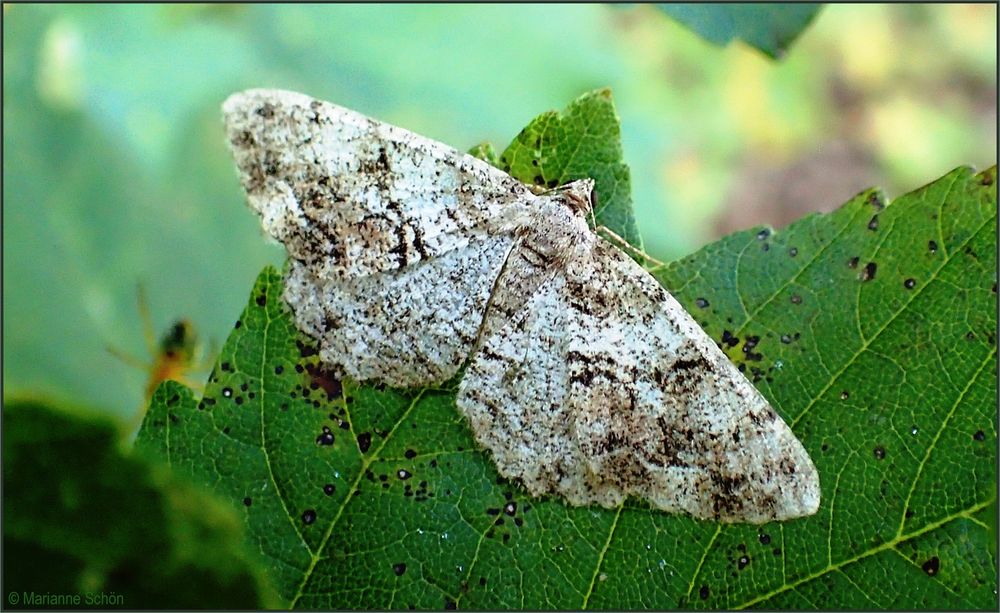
367, 497
82, 518
584, 141
770, 27
487, 153
872, 332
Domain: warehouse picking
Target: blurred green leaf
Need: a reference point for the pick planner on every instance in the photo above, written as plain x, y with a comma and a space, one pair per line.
770, 27
486, 152
363, 496
82, 517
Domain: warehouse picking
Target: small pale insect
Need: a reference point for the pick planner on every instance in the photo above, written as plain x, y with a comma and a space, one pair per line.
584, 378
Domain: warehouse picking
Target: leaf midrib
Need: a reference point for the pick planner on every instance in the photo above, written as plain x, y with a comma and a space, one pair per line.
365, 463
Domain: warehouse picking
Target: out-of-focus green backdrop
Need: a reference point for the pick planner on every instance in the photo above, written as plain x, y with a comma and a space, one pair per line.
115, 170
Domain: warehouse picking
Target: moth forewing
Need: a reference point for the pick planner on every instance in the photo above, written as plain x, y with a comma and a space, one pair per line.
586, 380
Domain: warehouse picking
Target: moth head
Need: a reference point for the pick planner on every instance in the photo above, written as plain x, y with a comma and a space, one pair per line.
579, 196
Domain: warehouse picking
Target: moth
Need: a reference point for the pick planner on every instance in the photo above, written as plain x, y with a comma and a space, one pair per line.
584, 378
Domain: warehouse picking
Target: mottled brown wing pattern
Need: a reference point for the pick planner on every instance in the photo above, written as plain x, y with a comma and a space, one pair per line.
351, 196
395, 240
603, 387
586, 379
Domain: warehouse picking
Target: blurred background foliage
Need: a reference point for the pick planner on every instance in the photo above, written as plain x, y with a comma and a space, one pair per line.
115, 170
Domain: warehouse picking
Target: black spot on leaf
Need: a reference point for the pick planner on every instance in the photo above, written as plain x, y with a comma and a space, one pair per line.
869, 271
932, 566
364, 441
326, 438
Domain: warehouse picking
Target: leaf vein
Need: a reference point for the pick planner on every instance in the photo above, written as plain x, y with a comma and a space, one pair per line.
941, 583
833, 500
805, 266
878, 333
263, 440
865, 554
365, 463
878, 605
600, 557
701, 562
937, 436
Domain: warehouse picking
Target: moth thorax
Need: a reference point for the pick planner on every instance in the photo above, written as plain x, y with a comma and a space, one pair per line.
578, 196
555, 228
